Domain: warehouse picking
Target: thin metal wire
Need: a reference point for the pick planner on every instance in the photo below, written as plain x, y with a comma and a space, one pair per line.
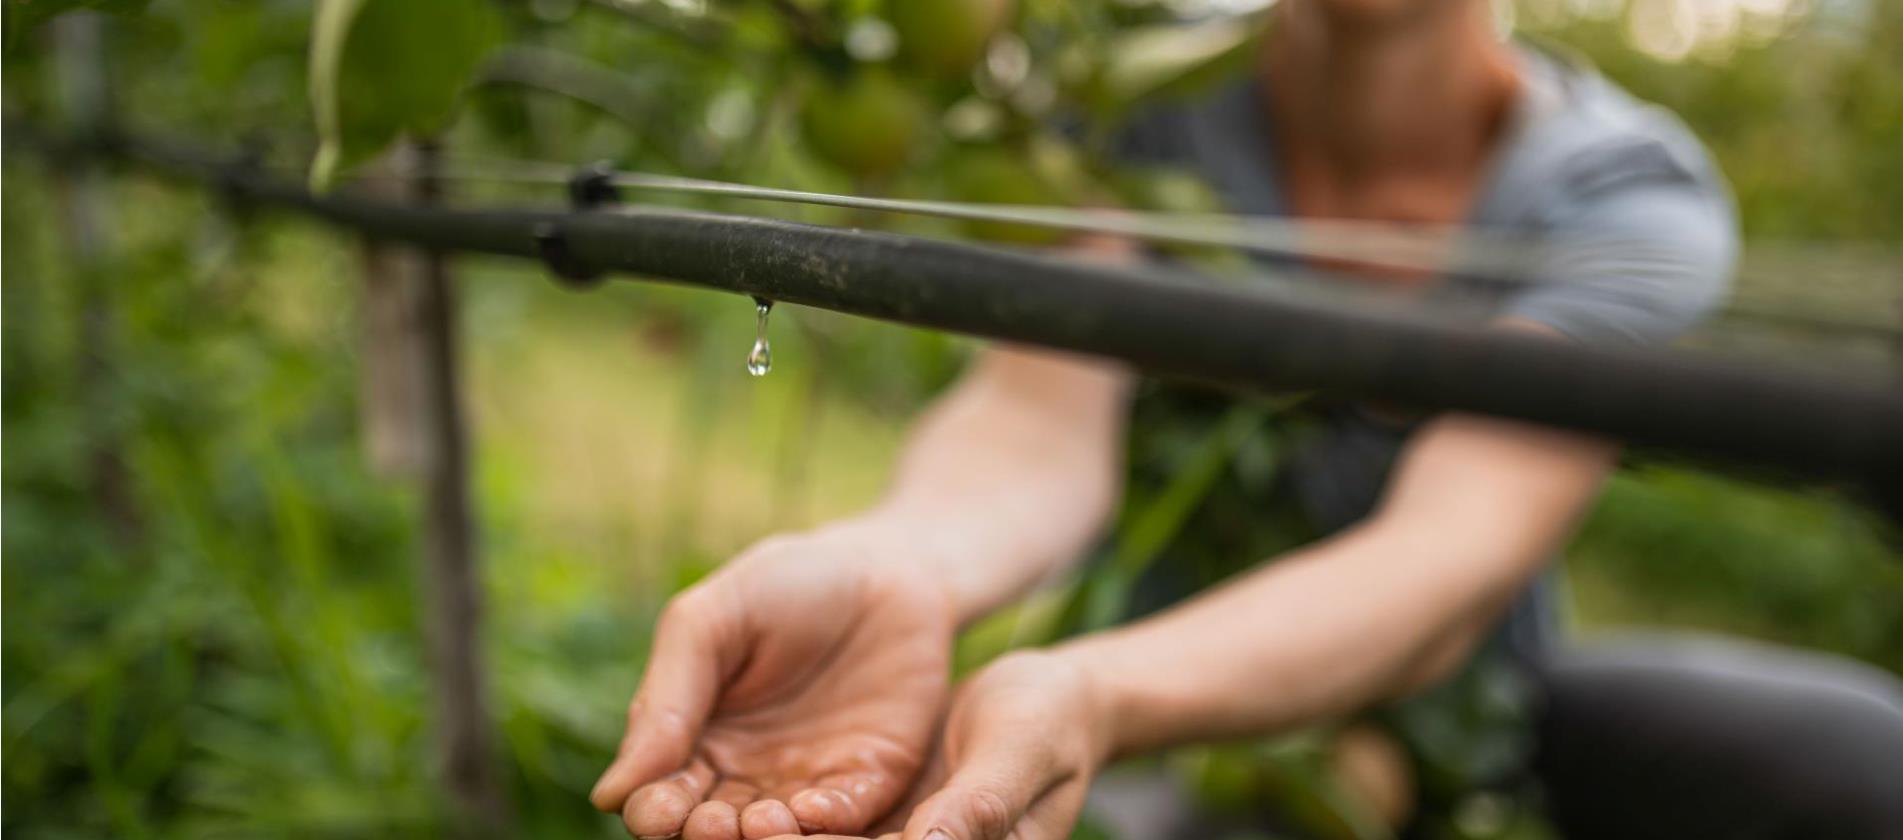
1440, 249
1495, 257
1498, 258
1817, 422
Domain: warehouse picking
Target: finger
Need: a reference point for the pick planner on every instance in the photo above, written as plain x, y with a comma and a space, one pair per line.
842, 804
737, 794
892, 836
661, 808
782, 791
712, 820
677, 693
929, 779
1054, 815
985, 797
767, 818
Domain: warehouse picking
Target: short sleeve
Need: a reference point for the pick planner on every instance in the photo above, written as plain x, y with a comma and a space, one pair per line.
1636, 262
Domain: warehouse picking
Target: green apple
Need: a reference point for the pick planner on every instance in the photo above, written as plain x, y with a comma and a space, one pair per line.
1001, 176
867, 124
945, 38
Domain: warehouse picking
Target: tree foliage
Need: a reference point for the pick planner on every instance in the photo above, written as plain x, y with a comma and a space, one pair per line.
380, 69
247, 662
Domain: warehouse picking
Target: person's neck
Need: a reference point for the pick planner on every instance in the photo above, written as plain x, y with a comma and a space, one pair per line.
1427, 96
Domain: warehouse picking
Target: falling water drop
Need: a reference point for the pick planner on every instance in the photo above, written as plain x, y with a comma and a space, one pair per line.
760, 358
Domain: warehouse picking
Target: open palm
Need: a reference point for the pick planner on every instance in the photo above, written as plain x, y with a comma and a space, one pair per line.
795, 690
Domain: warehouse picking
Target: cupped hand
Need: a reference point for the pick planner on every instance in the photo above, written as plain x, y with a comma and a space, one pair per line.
1023, 740
795, 690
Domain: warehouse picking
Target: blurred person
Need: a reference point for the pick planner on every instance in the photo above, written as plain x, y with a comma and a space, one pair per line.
803, 687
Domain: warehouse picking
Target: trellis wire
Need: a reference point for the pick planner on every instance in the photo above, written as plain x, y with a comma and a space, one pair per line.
1166, 321
1496, 257
1437, 249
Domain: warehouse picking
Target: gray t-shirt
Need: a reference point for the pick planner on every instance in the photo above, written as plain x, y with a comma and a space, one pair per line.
1581, 161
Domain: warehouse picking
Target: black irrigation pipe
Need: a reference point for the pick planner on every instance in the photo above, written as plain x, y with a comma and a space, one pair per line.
1811, 423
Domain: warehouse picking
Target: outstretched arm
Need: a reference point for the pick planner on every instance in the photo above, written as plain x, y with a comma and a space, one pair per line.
1011, 474
1476, 505
797, 688
1475, 508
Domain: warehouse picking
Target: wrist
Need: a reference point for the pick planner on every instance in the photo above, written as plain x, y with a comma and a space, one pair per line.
1109, 704
896, 546
1049, 693
929, 548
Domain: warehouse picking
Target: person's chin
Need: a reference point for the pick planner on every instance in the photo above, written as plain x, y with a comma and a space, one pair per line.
1373, 16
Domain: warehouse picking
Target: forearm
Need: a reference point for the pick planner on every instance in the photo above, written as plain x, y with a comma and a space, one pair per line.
1476, 508
1009, 475
1313, 636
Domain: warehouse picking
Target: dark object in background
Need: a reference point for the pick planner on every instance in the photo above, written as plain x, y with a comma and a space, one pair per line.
1672, 737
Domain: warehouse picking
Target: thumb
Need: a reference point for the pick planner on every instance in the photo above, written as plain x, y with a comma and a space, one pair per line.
987, 794
930, 778
678, 690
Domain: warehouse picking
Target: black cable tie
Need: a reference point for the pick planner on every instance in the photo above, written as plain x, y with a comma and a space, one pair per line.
590, 187
552, 245
593, 185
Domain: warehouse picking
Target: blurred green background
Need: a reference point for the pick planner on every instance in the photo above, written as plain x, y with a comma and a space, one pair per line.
211, 600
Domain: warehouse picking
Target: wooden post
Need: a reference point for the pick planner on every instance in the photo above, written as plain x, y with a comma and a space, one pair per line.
84, 90
452, 585
390, 358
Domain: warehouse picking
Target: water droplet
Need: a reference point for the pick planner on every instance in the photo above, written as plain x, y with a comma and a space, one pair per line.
760, 358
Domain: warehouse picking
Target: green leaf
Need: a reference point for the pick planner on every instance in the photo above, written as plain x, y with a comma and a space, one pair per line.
1169, 59
380, 69
1149, 525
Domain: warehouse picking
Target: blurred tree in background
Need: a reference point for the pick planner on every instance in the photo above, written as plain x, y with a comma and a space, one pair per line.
210, 618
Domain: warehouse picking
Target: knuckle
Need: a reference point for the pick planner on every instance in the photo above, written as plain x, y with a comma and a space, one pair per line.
989, 811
